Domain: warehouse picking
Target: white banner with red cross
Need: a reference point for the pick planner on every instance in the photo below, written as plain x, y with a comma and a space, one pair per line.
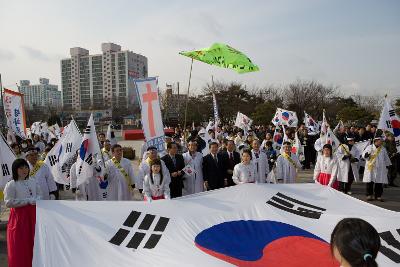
153, 128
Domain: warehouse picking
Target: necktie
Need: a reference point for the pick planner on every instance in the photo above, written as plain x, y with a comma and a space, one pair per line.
174, 161
215, 159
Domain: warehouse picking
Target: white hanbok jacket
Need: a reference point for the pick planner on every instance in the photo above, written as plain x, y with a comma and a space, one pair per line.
378, 174
243, 173
124, 192
193, 183
21, 193
285, 170
156, 188
328, 165
144, 169
44, 178
344, 165
261, 164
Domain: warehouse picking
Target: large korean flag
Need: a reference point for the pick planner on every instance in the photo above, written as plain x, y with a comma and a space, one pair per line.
244, 225
153, 128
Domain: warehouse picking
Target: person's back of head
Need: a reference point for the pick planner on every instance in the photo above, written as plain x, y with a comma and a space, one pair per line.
355, 243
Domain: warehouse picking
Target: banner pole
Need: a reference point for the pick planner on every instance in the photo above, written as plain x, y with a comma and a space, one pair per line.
187, 97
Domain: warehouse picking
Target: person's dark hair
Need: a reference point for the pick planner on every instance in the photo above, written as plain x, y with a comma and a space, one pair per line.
287, 143
156, 162
329, 147
169, 145
48, 148
14, 145
212, 143
115, 147
18, 163
102, 134
247, 151
268, 143
357, 241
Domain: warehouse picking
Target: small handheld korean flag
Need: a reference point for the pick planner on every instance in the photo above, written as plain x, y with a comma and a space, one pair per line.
189, 170
7, 158
87, 154
243, 122
62, 151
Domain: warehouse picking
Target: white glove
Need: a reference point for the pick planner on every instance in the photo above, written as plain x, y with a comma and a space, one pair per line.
52, 197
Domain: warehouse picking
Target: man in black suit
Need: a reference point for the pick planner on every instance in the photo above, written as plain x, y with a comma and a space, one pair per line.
213, 169
231, 158
174, 163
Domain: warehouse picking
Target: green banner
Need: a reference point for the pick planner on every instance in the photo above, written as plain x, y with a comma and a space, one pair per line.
224, 56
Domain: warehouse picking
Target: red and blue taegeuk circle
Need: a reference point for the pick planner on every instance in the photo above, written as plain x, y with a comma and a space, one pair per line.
264, 243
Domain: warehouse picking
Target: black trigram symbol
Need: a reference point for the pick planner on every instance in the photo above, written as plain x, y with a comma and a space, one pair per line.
4, 168
142, 230
397, 142
295, 206
290, 122
53, 160
389, 124
392, 113
87, 129
391, 242
69, 148
89, 159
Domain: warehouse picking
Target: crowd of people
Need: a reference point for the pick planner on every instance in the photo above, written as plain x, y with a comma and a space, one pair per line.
196, 160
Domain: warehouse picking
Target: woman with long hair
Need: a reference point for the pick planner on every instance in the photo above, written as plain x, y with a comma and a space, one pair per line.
155, 184
20, 195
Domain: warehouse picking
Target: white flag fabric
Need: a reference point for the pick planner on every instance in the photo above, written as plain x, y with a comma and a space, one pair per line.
153, 128
361, 146
14, 111
324, 125
7, 158
278, 139
88, 151
216, 114
338, 126
285, 117
243, 122
111, 135
389, 121
63, 150
244, 225
311, 125
331, 139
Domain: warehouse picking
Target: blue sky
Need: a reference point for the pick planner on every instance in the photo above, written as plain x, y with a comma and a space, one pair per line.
351, 44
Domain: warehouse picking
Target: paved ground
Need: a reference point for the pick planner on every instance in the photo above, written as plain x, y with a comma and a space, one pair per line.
391, 196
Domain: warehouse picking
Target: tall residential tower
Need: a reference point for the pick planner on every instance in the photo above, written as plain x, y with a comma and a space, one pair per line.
101, 81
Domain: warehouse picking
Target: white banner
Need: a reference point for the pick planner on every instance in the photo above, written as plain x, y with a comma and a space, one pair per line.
7, 158
216, 114
153, 127
244, 225
15, 112
62, 151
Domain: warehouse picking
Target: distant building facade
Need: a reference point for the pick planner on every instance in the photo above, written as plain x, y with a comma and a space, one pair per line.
101, 81
43, 94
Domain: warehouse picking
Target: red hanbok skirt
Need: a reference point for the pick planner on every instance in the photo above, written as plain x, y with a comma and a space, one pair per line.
154, 198
21, 235
324, 178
